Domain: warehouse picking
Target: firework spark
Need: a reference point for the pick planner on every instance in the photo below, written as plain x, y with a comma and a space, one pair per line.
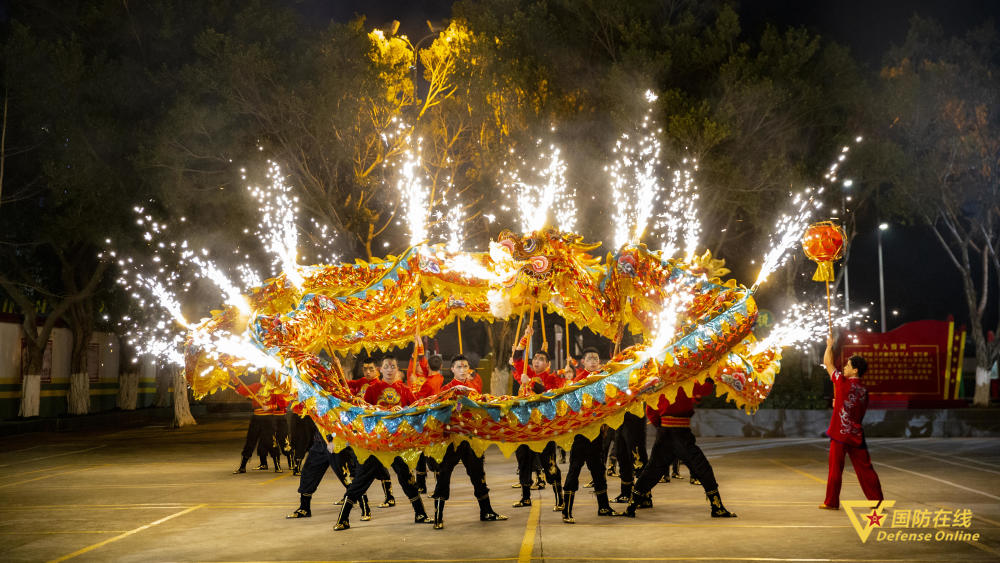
538, 190
635, 179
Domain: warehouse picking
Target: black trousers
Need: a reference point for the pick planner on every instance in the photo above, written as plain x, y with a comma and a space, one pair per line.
587, 452
475, 467
301, 435
670, 444
344, 466
372, 468
630, 447
259, 429
527, 459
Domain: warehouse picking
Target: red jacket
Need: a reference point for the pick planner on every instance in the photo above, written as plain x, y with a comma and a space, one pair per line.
850, 402
422, 381
360, 385
539, 382
389, 395
474, 383
678, 413
269, 405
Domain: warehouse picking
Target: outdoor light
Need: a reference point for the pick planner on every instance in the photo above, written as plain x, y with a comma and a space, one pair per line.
848, 183
883, 226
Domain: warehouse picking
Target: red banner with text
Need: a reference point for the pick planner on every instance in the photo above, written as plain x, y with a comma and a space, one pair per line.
917, 364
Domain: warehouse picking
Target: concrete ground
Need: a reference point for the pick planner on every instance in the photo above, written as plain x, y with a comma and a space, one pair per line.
153, 494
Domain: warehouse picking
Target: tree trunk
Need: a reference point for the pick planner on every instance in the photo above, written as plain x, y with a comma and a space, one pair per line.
182, 409
78, 397
163, 381
31, 394
128, 390
982, 396
500, 383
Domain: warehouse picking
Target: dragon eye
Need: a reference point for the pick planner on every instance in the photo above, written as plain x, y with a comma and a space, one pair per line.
529, 244
539, 264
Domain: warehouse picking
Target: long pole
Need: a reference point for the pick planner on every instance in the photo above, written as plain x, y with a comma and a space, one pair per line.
881, 277
847, 291
460, 335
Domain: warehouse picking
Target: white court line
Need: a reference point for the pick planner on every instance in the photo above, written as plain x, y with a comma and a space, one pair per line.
55, 455
709, 451
946, 482
913, 452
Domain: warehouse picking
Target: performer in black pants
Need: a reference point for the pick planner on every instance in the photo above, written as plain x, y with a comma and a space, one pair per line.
318, 458
475, 466
370, 469
301, 438
261, 432
587, 452
630, 446
674, 439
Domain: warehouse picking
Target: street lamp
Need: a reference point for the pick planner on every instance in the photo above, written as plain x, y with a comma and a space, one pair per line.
881, 272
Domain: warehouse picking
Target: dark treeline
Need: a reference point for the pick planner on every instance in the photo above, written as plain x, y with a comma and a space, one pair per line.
109, 105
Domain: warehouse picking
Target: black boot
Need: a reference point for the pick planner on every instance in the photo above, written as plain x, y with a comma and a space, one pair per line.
344, 522
366, 509
603, 506
297, 466
633, 504
612, 467
567, 511
422, 482
439, 514
262, 466
243, 466
389, 499
525, 497
486, 512
539, 481
303, 511
626, 493
419, 514
718, 511
557, 489
277, 464
694, 481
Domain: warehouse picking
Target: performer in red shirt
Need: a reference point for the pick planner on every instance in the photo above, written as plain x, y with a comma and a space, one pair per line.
268, 429
475, 466
535, 379
674, 439
850, 401
425, 379
424, 376
586, 452
390, 393
369, 375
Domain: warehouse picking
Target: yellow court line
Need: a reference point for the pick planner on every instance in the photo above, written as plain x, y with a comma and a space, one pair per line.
528, 543
983, 547
714, 525
53, 533
838, 559
379, 560
289, 474
799, 471
125, 535
39, 470
53, 475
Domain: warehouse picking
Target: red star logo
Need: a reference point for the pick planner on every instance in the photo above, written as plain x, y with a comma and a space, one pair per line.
874, 519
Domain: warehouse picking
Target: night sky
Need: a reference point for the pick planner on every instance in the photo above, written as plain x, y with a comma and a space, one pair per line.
915, 264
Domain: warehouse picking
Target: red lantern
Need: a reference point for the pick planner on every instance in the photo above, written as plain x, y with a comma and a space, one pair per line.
823, 242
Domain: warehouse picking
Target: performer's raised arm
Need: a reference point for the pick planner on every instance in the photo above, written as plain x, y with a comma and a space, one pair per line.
828, 356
